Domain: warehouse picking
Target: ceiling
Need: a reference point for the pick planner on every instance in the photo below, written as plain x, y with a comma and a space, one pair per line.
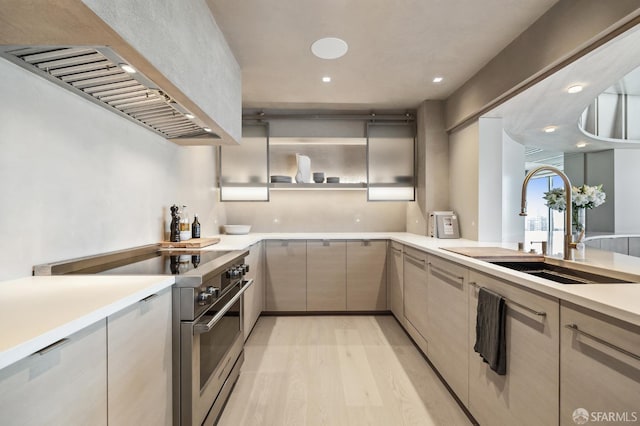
611, 67
396, 48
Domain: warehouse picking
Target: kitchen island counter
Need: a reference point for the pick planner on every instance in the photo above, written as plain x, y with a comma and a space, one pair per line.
36, 312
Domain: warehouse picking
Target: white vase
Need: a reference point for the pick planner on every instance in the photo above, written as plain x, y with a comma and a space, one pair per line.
304, 169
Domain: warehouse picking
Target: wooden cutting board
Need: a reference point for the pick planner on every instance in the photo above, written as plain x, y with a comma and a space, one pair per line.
192, 243
496, 254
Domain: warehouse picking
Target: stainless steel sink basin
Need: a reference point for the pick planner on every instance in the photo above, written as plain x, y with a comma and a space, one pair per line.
559, 274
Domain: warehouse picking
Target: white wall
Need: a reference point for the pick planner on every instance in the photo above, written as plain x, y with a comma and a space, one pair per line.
76, 179
490, 195
486, 170
627, 191
512, 177
463, 178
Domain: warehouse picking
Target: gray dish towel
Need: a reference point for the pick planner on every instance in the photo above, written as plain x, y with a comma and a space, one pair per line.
491, 342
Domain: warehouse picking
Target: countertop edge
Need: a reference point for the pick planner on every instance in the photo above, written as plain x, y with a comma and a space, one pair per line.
549, 288
29, 347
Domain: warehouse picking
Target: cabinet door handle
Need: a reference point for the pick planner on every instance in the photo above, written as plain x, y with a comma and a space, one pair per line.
511, 302
52, 346
575, 328
149, 298
395, 250
445, 272
420, 262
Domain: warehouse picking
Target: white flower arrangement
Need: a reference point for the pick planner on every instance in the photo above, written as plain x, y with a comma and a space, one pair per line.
582, 197
586, 197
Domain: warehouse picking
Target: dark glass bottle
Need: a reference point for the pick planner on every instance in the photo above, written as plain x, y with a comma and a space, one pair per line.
195, 227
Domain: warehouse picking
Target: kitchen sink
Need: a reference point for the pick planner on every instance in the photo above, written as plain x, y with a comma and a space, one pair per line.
560, 274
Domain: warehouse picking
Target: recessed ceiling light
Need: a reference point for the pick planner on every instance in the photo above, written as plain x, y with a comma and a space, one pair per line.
437, 79
127, 68
575, 89
326, 79
550, 129
206, 129
581, 144
329, 48
189, 116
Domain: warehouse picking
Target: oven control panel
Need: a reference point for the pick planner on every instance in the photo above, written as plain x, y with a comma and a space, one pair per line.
208, 293
193, 301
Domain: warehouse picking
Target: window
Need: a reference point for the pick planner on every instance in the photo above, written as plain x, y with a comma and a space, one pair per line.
542, 223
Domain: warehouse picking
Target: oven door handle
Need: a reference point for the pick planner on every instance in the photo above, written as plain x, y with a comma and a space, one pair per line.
201, 328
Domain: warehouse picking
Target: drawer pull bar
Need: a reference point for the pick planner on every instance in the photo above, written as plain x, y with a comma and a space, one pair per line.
575, 328
52, 346
415, 259
445, 272
149, 298
520, 305
396, 250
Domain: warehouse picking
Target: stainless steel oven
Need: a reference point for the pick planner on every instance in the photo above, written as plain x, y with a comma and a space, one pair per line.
207, 318
211, 347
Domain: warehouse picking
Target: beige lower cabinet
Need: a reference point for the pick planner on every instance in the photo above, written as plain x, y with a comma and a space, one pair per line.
415, 295
326, 275
253, 297
448, 323
366, 275
528, 393
286, 275
395, 280
139, 356
64, 384
599, 368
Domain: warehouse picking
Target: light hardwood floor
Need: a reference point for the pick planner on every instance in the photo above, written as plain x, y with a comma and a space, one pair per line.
337, 370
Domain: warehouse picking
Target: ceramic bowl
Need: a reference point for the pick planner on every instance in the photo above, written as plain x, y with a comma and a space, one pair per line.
237, 229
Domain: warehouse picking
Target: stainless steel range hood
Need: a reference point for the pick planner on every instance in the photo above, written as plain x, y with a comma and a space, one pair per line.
96, 73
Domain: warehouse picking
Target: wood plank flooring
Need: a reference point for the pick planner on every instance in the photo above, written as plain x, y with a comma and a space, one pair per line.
337, 370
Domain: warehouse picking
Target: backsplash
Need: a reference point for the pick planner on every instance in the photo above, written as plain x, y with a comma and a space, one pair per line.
76, 179
318, 211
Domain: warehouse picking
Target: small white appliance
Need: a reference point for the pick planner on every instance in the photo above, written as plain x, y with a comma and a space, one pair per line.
443, 224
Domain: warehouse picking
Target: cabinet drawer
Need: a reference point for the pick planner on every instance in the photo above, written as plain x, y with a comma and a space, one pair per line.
528, 393
599, 368
326, 276
286, 276
415, 291
448, 324
65, 384
140, 363
366, 275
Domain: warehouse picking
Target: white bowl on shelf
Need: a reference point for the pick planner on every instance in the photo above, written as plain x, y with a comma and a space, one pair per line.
237, 229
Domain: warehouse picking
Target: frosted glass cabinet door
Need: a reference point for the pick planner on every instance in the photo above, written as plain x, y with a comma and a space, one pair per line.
244, 172
391, 162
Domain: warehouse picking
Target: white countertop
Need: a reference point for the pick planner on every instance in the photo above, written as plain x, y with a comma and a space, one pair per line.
36, 312
620, 301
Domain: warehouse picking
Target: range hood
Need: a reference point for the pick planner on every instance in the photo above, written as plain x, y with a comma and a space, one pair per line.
97, 74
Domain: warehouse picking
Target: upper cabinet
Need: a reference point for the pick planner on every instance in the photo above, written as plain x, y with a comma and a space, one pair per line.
377, 158
391, 161
184, 66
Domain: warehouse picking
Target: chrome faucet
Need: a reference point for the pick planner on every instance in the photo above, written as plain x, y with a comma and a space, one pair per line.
568, 244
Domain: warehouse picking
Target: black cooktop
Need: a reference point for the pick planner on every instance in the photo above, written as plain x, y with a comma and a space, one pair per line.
156, 263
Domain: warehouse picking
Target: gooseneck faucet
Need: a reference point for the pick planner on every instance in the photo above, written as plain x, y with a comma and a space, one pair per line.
568, 244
